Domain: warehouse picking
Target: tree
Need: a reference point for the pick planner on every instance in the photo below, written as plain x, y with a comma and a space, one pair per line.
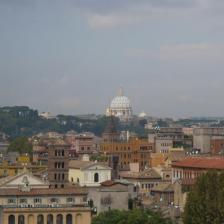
136, 216
205, 202
21, 145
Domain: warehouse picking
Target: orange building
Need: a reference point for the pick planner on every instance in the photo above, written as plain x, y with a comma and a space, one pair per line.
132, 150
135, 150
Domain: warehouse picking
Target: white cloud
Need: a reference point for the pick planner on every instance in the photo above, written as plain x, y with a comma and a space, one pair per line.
112, 20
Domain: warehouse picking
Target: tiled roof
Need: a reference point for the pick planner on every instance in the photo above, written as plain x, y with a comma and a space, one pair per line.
201, 163
78, 164
109, 183
39, 192
163, 187
146, 174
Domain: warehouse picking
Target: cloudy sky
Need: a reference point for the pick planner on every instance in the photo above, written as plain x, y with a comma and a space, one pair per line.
71, 56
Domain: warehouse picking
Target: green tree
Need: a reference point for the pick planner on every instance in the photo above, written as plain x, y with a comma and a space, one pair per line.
205, 202
136, 216
21, 145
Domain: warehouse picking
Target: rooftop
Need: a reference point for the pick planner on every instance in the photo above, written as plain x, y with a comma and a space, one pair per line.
163, 187
146, 174
40, 191
201, 163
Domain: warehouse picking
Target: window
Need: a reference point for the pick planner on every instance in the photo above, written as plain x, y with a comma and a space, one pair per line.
11, 200
37, 200
23, 200
96, 177
21, 219
69, 219
40, 219
54, 200
70, 200
11, 219
50, 219
59, 219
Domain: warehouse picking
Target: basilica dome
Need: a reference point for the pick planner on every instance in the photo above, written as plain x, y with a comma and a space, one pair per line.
120, 107
120, 102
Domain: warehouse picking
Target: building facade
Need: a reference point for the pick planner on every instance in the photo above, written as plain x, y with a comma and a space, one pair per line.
86, 173
136, 150
144, 180
24, 199
203, 137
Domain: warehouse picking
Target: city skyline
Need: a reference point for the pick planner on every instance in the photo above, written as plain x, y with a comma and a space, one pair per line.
71, 57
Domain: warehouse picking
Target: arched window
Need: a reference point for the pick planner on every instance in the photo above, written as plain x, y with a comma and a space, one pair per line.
59, 219
21, 219
11, 219
40, 219
50, 219
69, 219
96, 177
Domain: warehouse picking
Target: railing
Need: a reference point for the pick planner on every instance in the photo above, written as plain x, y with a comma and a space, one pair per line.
67, 205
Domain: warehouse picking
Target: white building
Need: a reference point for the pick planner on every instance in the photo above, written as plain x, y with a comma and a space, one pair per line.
120, 107
86, 173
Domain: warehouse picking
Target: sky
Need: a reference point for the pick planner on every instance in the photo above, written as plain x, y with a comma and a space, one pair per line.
71, 56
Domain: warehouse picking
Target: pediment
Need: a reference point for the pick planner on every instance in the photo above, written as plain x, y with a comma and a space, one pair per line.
22, 179
97, 167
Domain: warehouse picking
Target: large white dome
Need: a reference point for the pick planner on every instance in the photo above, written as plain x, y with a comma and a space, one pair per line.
121, 102
120, 107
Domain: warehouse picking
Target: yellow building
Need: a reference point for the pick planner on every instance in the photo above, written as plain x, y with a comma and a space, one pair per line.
23, 159
11, 170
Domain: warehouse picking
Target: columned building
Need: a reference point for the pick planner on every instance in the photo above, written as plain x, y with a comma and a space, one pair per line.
25, 199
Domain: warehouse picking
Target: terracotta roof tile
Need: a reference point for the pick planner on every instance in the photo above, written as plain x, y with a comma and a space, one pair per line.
48, 191
201, 163
146, 174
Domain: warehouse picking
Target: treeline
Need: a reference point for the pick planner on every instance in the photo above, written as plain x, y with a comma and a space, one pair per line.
22, 121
